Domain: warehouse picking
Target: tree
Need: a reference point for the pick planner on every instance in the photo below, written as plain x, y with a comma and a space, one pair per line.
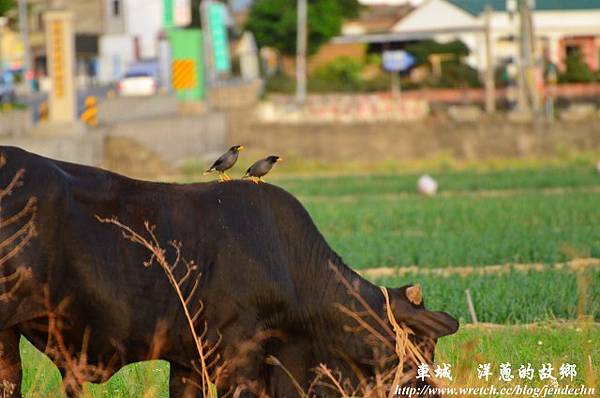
350, 8
273, 22
6, 6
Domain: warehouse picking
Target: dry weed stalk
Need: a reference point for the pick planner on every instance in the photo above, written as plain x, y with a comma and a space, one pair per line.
75, 364
271, 360
396, 338
323, 371
159, 255
11, 280
7, 388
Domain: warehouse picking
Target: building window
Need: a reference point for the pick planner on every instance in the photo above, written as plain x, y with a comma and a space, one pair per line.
573, 50
116, 8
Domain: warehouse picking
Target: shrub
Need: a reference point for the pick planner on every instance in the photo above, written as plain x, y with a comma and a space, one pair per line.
576, 71
423, 49
458, 74
342, 74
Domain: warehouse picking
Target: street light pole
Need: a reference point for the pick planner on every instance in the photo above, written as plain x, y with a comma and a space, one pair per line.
301, 52
490, 87
24, 27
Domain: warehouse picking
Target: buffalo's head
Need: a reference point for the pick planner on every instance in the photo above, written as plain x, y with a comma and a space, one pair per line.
408, 308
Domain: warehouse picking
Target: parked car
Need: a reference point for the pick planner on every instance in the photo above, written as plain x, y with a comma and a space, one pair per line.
141, 79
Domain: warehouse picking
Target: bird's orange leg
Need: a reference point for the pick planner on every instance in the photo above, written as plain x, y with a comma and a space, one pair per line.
226, 177
254, 180
221, 178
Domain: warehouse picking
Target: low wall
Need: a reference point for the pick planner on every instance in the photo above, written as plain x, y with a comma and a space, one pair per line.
375, 142
471, 95
340, 108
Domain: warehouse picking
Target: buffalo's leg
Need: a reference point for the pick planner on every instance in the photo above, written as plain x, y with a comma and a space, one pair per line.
183, 383
10, 364
293, 357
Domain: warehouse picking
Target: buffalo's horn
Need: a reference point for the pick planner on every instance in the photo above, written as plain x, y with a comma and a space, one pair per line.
414, 294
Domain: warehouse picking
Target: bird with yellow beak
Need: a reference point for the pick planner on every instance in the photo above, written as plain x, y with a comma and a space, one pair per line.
225, 162
261, 168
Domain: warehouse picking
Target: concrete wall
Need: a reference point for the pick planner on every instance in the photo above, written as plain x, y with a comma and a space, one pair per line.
176, 138
123, 109
377, 142
16, 122
340, 108
231, 96
85, 148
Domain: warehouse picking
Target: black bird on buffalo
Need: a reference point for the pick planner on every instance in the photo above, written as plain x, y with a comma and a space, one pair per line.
261, 168
225, 162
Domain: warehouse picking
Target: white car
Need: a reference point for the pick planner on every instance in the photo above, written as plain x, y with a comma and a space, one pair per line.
137, 84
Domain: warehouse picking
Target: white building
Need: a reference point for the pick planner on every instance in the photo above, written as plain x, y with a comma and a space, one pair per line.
132, 32
561, 26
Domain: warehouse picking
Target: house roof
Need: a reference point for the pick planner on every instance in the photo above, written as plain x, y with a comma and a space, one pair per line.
477, 7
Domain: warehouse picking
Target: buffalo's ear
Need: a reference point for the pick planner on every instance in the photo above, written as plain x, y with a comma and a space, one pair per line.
433, 324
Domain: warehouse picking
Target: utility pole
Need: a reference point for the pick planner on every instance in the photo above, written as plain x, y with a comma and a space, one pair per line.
490, 86
522, 101
528, 96
531, 56
301, 52
24, 28
3, 23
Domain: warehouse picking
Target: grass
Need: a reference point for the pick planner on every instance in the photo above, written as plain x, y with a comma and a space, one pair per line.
441, 162
42, 379
556, 343
461, 230
449, 181
510, 298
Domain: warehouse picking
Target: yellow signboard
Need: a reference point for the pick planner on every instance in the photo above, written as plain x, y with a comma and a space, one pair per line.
60, 49
58, 58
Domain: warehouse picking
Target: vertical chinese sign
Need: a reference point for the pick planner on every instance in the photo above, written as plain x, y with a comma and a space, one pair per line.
60, 50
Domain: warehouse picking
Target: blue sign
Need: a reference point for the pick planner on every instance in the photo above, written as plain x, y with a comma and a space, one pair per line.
397, 60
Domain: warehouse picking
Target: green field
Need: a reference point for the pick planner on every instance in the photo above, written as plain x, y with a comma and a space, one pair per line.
479, 218
509, 298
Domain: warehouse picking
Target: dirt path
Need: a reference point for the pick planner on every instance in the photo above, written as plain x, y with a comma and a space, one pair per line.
573, 265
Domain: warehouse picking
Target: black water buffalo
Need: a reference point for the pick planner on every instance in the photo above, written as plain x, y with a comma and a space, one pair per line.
269, 281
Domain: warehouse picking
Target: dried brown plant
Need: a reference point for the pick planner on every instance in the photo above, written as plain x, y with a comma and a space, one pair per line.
19, 229
383, 336
192, 311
